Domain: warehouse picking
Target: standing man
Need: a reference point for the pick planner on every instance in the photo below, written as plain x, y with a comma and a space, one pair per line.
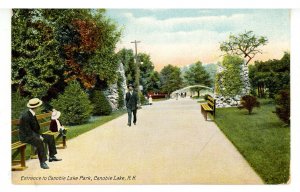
131, 104
29, 132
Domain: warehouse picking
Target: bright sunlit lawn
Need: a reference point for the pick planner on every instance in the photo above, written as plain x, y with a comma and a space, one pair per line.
261, 138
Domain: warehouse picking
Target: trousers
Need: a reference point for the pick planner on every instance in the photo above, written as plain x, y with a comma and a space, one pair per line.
130, 112
39, 145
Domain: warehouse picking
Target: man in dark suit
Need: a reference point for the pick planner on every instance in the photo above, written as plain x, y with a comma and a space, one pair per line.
131, 104
29, 132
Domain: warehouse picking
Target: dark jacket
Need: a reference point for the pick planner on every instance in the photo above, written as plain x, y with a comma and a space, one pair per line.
53, 126
29, 127
131, 100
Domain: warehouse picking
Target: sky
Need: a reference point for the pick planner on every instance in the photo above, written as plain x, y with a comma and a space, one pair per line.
183, 36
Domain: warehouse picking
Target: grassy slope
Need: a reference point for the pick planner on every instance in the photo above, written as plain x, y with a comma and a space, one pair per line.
261, 138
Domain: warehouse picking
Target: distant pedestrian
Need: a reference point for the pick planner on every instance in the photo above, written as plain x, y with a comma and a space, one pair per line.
150, 100
29, 132
131, 104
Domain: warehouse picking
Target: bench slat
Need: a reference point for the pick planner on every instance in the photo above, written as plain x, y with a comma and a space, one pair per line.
44, 115
45, 124
17, 145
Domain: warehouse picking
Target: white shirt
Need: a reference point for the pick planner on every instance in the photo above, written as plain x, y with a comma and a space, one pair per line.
32, 112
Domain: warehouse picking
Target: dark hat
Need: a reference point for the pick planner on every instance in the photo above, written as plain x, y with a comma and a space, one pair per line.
130, 85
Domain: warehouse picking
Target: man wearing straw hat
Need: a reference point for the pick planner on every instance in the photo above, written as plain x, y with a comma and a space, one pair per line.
29, 132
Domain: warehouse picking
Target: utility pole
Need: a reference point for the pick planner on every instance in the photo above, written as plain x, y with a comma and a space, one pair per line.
137, 67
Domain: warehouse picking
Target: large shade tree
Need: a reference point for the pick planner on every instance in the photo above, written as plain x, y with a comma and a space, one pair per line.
126, 57
244, 44
146, 72
197, 75
53, 46
269, 77
170, 79
36, 63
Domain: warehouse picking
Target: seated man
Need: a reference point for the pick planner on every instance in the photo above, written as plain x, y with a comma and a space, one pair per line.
29, 132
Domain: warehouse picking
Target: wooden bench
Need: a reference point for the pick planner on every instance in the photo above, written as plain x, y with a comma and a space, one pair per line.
209, 107
20, 148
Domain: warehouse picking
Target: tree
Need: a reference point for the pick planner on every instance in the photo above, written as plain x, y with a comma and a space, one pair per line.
196, 75
229, 82
146, 70
87, 44
35, 59
126, 57
170, 79
101, 104
249, 102
282, 101
245, 44
51, 47
154, 82
74, 105
269, 77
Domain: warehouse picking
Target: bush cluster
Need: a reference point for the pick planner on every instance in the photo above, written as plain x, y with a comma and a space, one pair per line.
282, 101
74, 105
101, 104
249, 102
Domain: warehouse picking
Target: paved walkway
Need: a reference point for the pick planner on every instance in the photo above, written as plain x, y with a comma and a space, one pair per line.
171, 144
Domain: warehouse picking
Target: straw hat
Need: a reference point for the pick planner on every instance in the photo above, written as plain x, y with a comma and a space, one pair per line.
55, 114
34, 103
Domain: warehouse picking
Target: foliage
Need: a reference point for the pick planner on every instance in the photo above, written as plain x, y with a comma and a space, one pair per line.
154, 82
269, 77
244, 44
146, 72
196, 75
282, 101
230, 79
54, 46
142, 98
35, 59
170, 79
126, 57
101, 104
249, 102
74, 105
211, 69
120, 92
18, 104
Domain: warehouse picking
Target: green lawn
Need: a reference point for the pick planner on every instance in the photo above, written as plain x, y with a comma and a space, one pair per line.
261, 138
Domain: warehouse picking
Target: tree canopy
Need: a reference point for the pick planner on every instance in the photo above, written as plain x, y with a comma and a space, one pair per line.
51, 47
244, 44
170, 79
269, 77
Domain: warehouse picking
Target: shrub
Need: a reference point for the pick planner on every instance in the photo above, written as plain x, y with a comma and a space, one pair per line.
142, 99
18, 105
101, 104
74, 105
120, 92
282, 101
249, 102
121, 98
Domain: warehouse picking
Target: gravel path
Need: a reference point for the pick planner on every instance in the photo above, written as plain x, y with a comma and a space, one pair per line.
171, 144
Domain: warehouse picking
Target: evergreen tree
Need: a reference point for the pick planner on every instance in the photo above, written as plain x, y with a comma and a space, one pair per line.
74, 104
197, 75
170, 79
101, 104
